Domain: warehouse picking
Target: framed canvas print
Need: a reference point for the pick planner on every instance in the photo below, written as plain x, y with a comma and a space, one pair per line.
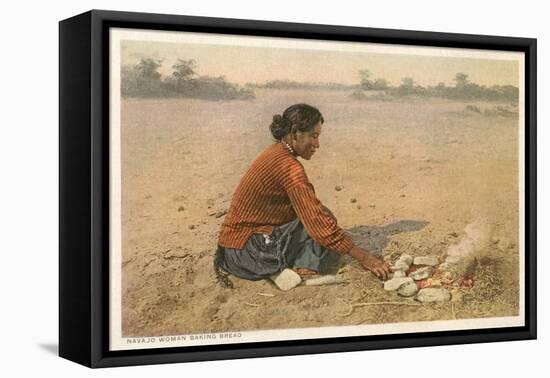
236, 188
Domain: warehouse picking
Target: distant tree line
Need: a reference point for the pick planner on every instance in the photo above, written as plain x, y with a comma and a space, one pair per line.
144, 80
463, 89
289, 84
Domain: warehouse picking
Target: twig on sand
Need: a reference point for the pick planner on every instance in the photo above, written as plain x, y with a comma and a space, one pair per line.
325, 280
453, 310
266, 294
361, 304
380, 314
252, 304
341, 300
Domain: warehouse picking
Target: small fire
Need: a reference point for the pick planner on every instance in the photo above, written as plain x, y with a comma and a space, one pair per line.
461, 258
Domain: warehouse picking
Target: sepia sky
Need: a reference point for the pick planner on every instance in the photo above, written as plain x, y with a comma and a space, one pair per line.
257, 62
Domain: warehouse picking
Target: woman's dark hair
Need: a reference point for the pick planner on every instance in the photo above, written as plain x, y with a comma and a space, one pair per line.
298, 117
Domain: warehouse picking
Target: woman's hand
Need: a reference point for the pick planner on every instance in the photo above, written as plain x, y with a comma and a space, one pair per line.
376, 265
370, 262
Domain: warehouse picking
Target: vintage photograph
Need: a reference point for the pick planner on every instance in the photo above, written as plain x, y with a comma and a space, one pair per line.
274, 189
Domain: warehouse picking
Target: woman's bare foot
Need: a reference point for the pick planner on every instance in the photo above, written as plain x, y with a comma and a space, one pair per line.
305, 272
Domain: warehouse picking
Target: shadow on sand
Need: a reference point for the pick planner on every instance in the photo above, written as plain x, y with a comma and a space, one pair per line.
376, 238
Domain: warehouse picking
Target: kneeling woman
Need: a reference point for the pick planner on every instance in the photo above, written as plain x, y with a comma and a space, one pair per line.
275, 221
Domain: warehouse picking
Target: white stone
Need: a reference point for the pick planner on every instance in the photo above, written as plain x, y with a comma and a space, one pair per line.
396, 282
400, 265
286, 280
407, 259
403, 263
421, 273
408, 289
426, 260
433, 295
399, 273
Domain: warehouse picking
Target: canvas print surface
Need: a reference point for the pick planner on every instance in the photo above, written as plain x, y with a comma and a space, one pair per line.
411, 154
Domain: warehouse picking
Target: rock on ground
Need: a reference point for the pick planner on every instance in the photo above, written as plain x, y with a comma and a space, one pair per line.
421, 273
399, 274
426, 260
407, 259
408, 289
396, 282
286, 280
400, 265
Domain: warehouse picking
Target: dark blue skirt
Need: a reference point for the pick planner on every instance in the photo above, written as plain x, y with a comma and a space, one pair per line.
289, 246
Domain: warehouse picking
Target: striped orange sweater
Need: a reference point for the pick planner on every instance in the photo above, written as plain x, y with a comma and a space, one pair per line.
273, 191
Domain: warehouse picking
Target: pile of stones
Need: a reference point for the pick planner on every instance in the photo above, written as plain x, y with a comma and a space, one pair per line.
407, 282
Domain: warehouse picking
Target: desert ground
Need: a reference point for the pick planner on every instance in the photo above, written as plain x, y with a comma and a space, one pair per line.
412, 173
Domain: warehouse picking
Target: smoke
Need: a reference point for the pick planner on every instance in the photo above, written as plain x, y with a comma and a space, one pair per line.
472, 245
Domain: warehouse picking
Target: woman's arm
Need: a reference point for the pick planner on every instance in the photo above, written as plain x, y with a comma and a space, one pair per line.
326, 210
321, 225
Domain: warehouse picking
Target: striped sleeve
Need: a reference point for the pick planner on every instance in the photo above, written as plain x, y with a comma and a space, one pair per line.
319, 224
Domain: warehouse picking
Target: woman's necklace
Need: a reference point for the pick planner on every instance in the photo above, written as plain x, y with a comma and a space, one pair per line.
289, 148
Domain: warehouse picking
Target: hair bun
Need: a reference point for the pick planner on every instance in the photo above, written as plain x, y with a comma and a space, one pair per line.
278, 120
279, 127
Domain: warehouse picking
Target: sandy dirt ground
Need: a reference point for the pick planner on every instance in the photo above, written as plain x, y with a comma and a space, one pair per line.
413, 174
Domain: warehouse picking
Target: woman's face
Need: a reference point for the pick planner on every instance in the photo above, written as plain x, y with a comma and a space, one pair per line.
307, 142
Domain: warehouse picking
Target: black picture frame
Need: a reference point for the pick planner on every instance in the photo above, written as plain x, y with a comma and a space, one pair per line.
84, 187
